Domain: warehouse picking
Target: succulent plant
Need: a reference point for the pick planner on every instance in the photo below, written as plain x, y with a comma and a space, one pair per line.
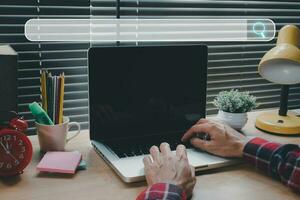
234, 101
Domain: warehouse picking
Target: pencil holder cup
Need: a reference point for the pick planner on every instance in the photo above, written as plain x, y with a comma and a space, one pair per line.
55, 137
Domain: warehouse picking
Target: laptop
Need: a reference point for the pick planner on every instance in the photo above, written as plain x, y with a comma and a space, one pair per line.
143, 96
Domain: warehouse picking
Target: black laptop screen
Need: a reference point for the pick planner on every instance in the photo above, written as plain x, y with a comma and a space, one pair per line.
143, 91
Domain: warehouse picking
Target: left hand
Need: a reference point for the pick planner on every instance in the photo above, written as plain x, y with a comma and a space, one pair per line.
224, 140
165, 167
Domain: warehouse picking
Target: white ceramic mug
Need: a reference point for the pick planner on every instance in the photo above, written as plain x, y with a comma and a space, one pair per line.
54, 137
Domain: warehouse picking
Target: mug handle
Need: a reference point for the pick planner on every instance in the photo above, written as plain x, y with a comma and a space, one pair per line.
75, 134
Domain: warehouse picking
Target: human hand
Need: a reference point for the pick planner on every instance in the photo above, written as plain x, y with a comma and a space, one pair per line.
165, 167
224, 140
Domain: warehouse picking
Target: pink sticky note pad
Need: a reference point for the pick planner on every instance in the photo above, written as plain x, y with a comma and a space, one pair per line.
59, 162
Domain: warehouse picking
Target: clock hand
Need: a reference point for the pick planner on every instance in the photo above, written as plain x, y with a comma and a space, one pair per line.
7, 151
4, 147
12, 156
7, 145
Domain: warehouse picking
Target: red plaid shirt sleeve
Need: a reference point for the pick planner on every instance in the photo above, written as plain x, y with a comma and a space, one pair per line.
162, 191
281, 161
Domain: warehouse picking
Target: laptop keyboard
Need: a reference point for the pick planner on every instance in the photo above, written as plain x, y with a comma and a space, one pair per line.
141, 146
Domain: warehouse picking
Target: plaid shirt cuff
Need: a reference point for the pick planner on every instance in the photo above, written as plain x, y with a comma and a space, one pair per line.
258, 153
162, 191
281, 161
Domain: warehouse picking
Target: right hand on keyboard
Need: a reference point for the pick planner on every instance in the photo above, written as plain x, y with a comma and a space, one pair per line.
166, 167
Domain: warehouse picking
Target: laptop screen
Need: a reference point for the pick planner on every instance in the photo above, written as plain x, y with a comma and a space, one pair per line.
144, 91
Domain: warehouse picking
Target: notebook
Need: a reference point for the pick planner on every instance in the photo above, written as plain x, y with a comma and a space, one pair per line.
60, 162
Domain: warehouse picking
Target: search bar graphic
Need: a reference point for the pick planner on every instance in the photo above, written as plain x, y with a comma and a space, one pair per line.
109, 30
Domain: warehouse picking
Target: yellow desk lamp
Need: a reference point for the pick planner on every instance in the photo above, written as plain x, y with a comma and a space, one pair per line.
281, 65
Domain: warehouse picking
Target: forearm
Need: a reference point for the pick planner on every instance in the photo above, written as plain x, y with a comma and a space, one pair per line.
161, 191
281, 161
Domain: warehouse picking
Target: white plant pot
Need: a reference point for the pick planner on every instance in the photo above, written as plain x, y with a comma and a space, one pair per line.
235, 120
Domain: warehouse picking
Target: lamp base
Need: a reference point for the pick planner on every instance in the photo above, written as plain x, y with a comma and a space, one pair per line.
271, 122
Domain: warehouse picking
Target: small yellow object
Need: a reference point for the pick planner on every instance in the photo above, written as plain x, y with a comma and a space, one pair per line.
271, 122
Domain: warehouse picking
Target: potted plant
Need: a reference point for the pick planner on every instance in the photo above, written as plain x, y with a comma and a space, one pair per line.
233, 107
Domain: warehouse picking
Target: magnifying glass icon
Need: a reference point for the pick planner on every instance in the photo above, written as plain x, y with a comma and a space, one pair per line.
259, 28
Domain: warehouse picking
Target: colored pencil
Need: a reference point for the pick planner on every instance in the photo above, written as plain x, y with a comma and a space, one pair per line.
43, 90
54, 98
61, 100
52, 95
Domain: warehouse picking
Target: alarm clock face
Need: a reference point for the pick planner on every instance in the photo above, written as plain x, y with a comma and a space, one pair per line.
15, 152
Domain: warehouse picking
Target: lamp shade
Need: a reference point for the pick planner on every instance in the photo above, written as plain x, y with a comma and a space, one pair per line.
282, 63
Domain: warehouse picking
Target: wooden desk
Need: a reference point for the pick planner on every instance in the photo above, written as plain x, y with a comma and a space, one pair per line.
99, 182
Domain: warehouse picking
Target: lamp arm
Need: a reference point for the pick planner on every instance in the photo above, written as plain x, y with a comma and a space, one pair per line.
284, 100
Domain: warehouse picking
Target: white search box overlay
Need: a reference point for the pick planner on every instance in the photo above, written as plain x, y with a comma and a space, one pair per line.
104, 30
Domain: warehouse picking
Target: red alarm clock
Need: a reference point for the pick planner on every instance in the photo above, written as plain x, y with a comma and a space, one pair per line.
15, 147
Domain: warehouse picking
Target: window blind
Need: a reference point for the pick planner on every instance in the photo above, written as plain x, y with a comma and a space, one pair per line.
13, 16
231, 64
68, 57
103, 9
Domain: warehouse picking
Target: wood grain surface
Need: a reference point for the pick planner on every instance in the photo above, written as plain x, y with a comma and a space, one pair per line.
99, 182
